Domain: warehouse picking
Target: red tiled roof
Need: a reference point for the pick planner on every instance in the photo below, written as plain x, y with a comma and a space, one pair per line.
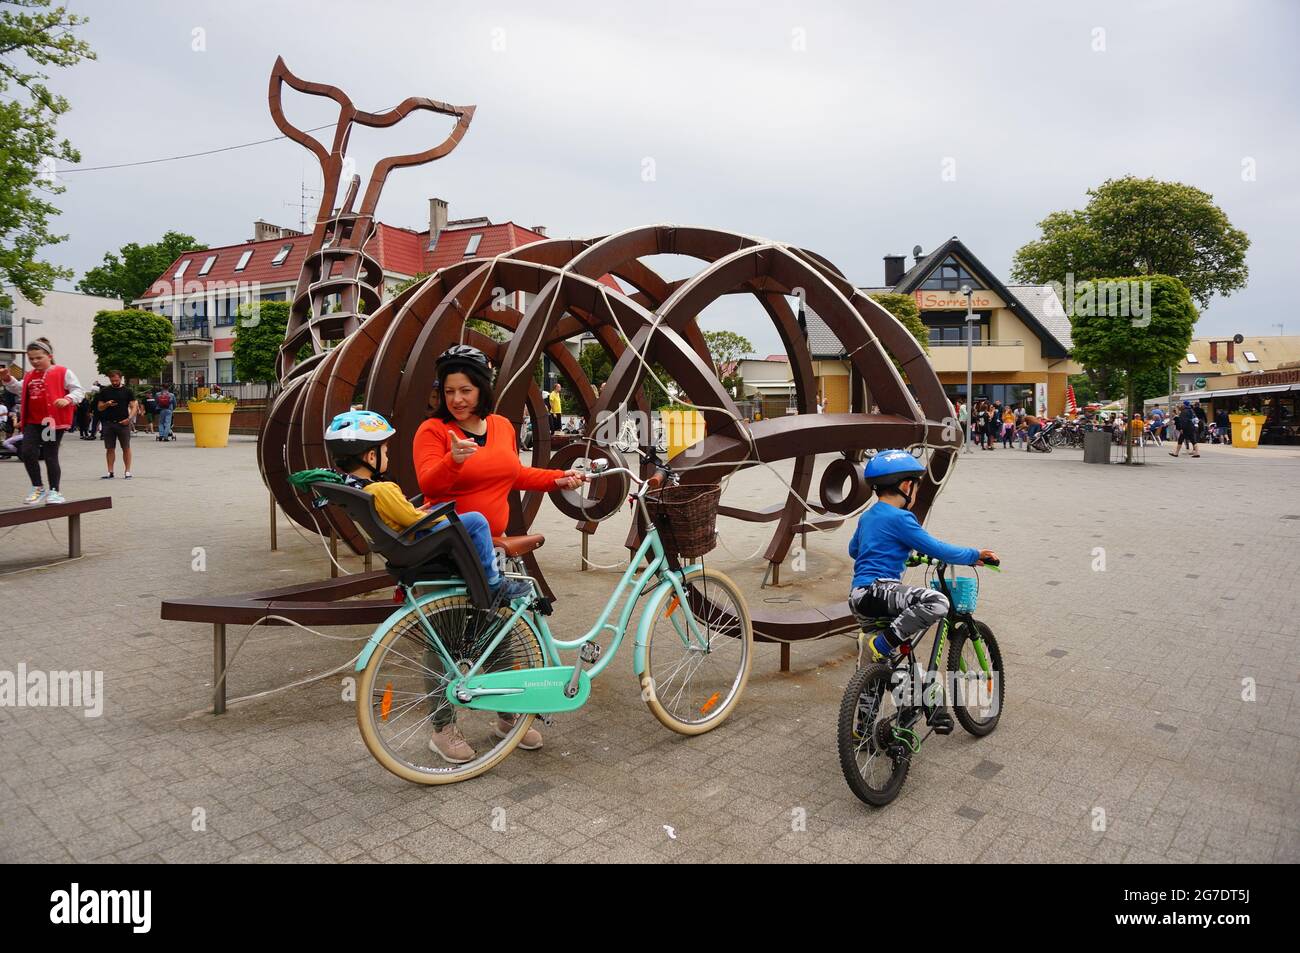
399, 251
778, 357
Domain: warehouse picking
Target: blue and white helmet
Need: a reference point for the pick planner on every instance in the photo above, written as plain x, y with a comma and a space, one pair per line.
356, 431
892, 466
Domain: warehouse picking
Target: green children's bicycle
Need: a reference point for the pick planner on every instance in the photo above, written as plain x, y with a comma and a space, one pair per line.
887, 705
452, 653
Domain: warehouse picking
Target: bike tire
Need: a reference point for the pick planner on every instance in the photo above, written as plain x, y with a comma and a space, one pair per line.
961, 636
662, 645
428, 769
872, 682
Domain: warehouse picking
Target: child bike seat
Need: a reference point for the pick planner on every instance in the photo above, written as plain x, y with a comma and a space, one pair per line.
446, 552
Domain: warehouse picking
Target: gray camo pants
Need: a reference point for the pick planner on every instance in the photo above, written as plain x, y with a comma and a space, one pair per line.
913, 608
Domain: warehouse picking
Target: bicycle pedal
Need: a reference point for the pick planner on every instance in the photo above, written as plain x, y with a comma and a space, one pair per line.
941, 723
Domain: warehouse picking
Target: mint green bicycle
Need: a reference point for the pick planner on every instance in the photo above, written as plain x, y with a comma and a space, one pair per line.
444, 657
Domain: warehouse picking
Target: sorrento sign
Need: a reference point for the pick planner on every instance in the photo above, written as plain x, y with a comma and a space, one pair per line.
955, 301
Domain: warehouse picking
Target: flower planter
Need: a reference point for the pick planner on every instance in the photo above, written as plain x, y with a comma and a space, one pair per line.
682, 429
1246, 429
211, 422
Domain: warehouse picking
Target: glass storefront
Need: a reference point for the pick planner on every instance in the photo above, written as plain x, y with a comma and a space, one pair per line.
1009, 394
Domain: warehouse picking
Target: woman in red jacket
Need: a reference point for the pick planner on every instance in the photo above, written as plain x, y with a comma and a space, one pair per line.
468, 455
50, 394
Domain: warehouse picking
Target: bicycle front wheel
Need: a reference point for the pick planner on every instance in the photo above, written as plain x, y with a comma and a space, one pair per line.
402, 693
977, 678
694, 676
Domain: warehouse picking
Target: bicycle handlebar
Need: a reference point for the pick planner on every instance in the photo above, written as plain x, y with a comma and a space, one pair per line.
918, 559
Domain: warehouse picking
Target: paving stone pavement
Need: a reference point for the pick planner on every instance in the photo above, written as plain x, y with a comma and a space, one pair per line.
1124, 690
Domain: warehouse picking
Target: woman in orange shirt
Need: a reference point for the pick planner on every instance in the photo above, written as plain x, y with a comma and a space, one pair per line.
468, 455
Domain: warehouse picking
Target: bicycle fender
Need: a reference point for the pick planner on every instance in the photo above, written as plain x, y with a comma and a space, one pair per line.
645, 622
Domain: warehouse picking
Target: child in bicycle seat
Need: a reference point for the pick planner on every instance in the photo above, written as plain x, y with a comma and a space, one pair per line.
886, 535
357, 442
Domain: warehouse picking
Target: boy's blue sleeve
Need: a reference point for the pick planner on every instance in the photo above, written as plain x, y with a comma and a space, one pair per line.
912, 533
853, 540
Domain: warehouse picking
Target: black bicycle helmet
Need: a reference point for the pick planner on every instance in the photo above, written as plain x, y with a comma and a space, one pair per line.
463, 355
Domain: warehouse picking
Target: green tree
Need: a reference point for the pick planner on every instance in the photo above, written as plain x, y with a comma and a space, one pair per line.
1132, 347
135, 342
1145, 226
28, 140
258, 336
904, 308
728, 349
129, 274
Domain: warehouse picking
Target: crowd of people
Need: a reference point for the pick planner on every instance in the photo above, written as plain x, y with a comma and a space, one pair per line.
1014, 427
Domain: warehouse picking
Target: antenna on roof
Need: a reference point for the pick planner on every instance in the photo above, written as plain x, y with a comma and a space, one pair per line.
304, 193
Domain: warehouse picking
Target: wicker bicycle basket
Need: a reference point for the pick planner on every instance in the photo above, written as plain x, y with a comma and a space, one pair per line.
686, 517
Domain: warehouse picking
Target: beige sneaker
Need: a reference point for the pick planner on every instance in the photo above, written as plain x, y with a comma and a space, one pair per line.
449, 744
532, 739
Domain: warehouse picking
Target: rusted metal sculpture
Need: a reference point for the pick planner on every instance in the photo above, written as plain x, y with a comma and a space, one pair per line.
388, 355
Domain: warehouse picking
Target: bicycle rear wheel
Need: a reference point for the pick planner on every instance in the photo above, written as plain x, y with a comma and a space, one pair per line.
402, 692
690, 687
977, 677
874, 760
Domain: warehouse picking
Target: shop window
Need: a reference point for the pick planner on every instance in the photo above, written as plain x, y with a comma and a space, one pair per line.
225, 370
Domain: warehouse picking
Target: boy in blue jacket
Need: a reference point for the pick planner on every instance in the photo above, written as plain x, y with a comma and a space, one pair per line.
886, 535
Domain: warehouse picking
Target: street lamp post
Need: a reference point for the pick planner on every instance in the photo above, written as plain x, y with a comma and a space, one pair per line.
970, 367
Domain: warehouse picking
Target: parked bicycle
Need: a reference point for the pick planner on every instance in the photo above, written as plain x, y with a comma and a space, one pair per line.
451, 653
887, 704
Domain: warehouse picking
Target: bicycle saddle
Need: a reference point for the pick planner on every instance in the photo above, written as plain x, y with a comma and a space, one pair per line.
514, 546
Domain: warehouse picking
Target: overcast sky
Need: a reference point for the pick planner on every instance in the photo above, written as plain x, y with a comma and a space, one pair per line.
826, 125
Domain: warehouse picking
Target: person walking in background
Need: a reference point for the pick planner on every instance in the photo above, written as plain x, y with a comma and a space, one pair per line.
117, 405
1187, 424
166, 401
49, 394
556, 407
96, 420
151, 409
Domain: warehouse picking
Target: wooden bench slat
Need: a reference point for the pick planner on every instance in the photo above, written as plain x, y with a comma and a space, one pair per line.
39, 512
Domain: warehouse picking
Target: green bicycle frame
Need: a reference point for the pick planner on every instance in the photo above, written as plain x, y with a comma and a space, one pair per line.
651, 547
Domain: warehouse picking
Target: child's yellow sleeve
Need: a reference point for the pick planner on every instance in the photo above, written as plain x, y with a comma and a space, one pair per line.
394, 508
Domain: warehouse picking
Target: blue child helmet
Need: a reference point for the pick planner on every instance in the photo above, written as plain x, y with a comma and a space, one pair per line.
893, 466
356, 431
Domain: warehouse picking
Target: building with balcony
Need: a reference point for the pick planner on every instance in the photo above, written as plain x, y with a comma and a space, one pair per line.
1020, 351
202, 291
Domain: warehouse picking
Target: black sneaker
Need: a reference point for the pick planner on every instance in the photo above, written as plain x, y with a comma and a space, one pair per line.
108, 477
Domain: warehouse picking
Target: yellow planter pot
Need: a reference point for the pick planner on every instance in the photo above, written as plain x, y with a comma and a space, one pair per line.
682, 429
1246, 429
211, 423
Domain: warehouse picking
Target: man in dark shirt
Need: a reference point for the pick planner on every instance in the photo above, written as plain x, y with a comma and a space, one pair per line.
116, 406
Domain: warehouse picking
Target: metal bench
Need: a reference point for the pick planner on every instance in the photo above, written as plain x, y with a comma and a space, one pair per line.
71, 511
